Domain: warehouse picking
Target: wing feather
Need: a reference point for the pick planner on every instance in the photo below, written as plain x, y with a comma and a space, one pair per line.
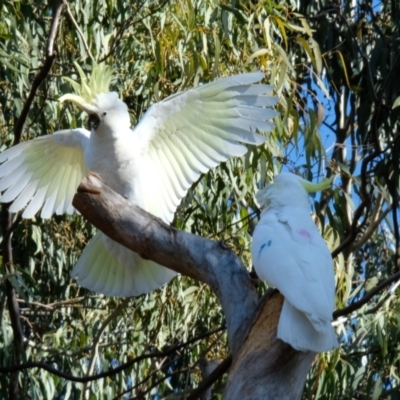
188, 133
14, 190
163, 190
11, 154
71, 189
173, 188
10, 180
44, 172
258, 100
107, 267
196, 158
175, 158
22, 200
184, 165
48, 207
35, 204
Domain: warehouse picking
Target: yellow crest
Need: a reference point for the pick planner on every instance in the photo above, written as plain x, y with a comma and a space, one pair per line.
317, 187
99, 82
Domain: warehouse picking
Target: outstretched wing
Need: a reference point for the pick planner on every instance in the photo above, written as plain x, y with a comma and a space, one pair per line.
45, 171
190, 132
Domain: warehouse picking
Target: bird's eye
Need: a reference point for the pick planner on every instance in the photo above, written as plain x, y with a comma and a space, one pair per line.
104, 114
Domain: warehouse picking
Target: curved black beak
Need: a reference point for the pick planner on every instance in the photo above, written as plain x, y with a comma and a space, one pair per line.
94, 121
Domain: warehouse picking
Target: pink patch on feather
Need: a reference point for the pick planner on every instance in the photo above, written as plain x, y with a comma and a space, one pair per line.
305, 233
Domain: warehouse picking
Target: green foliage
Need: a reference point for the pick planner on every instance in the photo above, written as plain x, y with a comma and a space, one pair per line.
320, 61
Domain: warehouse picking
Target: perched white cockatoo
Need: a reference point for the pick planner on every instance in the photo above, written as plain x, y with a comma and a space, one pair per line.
289, 253
153, 165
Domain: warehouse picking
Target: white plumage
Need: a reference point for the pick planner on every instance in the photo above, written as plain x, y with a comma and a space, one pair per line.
289, 253
153, 166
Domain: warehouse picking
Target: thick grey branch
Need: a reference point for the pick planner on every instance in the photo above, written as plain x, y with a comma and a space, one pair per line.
205, 260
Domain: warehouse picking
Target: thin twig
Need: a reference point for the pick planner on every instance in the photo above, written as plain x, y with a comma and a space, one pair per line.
165, 366
14, 224
97, 339
129, 22
371, 229
5, 277
54, 26
147, 378
161, 380
79, 31
211, 379
373, 292
122, 367
374, 309
323, 13
42, 74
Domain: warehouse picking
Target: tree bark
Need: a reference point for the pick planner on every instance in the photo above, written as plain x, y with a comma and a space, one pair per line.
267, 368
263, 366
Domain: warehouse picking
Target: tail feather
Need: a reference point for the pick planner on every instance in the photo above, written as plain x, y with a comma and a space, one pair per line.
107, 267
296, 329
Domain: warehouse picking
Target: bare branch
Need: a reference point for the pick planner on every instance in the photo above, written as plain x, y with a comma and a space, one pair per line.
140, 396
79, 30
202, 259
54, 27
96, 342
126, 24
14, 368
267, 362
373, 292
7, 226
353, 229
211, 379
375, 219
42, 74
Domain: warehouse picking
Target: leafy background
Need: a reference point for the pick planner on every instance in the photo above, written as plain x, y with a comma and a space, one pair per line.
335, 69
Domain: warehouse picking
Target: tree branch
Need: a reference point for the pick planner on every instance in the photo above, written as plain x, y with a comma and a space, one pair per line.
96, 342
12, 305
79, 30
36, 364
267, 362
6, 221
142, 393
202, 259
373, 292
43, 72
211, 379
126, 24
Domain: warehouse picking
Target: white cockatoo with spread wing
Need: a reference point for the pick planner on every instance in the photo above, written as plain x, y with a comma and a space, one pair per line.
289, 253
153, 165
